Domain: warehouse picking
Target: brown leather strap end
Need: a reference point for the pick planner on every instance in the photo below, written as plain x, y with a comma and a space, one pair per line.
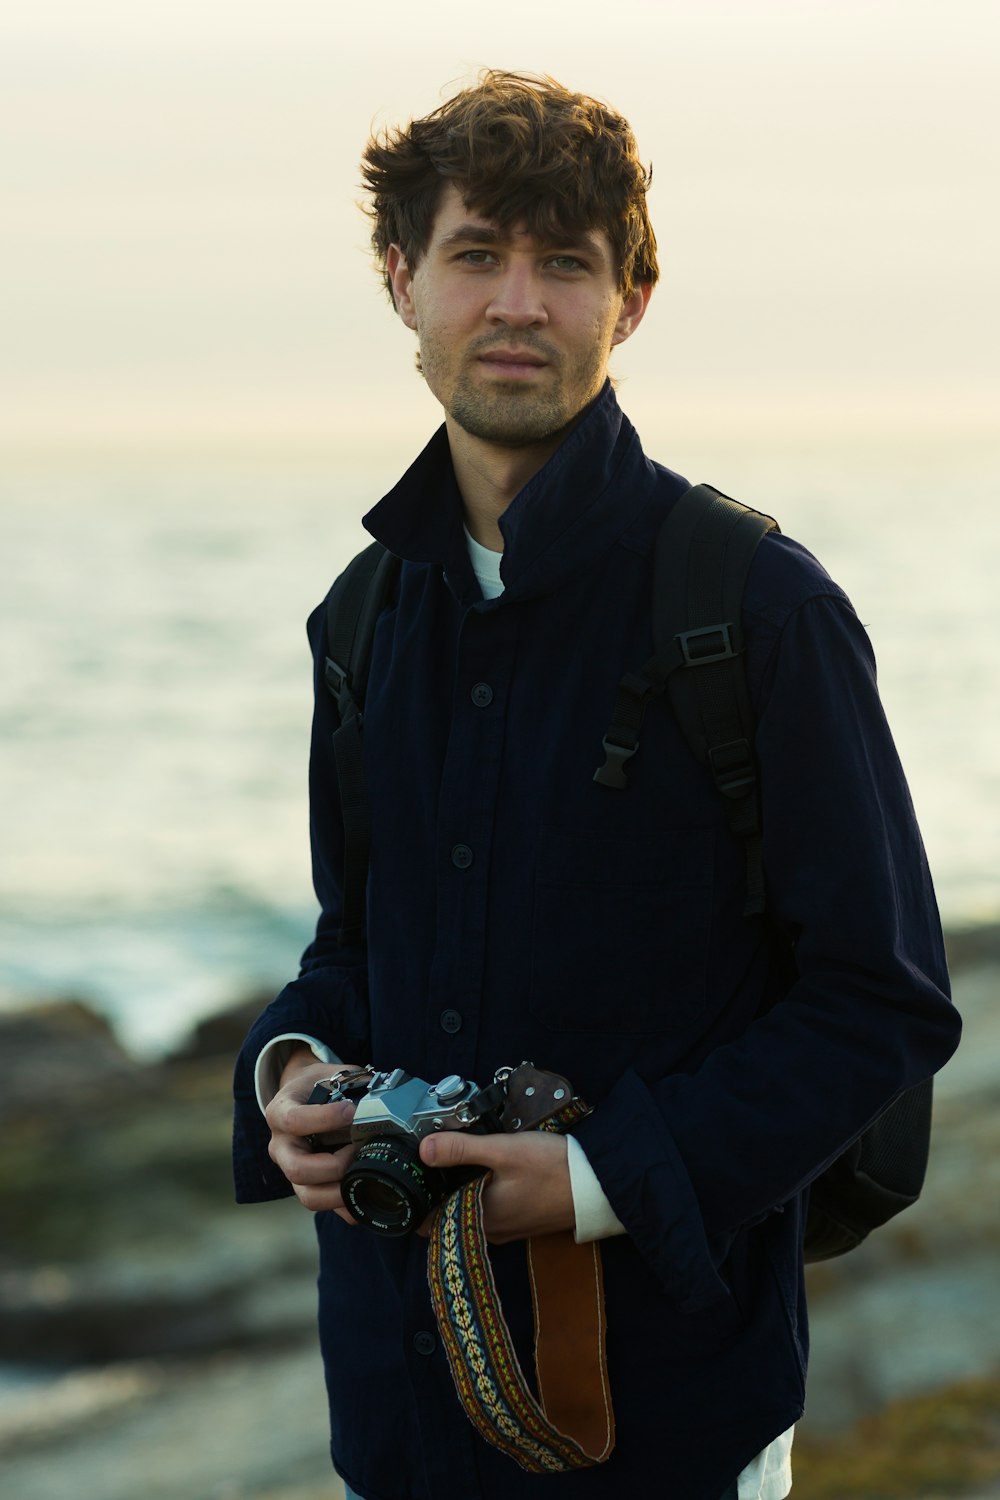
532, 1097
567, 1291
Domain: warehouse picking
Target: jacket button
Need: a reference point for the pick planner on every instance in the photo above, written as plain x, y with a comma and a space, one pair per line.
461, 856
451, 1021
482, 695
424, 1343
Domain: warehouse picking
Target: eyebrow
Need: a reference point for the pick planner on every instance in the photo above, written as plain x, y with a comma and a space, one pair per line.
488, 234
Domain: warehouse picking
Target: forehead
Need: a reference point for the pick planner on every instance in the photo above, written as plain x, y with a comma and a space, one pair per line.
455, 221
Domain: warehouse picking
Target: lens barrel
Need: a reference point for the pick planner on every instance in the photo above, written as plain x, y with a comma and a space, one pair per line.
388, 1188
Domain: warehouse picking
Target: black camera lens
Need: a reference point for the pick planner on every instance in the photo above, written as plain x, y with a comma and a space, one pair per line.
388, 1188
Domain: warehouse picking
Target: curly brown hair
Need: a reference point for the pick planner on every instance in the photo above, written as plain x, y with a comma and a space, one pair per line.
522, 150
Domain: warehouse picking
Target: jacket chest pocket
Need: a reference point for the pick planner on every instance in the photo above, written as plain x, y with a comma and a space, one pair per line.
621, 929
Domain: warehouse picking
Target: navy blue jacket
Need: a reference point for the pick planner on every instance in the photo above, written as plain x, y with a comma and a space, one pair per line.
517, 909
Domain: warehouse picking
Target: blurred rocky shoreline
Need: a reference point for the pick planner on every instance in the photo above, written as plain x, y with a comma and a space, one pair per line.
156, 1338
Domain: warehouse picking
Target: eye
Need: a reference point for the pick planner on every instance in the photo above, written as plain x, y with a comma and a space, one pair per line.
477, 257
566, 263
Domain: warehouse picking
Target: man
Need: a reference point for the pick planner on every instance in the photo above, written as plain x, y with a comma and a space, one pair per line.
518, 909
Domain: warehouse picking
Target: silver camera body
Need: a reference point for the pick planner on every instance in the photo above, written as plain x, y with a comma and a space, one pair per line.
387, 1187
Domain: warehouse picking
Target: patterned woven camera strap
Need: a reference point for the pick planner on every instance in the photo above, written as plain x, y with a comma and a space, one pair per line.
572, 1425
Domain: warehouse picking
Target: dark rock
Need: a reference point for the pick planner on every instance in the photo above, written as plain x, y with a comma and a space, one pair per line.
222, 1034
973, 947
163, 1306
60, 1052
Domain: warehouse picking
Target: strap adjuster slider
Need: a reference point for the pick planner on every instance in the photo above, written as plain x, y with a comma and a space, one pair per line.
710, 643
733, 767
337, 680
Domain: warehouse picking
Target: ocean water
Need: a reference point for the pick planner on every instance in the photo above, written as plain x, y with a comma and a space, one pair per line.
155, 698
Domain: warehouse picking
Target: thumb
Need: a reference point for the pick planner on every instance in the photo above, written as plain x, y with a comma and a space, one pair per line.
452, 1148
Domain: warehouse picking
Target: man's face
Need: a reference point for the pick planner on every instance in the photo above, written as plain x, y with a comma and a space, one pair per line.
515, 334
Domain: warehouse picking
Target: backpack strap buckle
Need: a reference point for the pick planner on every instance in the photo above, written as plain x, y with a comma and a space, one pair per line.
337, 680
733, 768
709, 643
612, 773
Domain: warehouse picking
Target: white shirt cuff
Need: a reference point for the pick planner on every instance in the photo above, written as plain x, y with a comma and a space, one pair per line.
769, 1476
595, 1218
272, 1060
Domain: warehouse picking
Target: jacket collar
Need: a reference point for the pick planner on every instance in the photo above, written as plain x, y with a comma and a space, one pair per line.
589, 492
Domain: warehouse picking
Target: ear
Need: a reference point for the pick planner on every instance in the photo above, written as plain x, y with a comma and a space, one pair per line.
631, 315
401, 281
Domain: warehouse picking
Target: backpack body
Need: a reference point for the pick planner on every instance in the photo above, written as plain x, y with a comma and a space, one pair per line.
703, 555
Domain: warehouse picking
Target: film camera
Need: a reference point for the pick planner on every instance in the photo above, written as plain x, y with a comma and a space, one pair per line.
387, 1187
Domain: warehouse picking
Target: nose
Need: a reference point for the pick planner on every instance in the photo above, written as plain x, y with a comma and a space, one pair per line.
518, 299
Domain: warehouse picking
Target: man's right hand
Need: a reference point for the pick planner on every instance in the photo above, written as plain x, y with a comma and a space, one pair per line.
315, 1175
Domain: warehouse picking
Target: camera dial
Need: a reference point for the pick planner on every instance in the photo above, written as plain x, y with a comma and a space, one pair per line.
450, 1089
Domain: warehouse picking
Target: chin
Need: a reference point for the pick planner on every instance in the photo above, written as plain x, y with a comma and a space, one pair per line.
517, 419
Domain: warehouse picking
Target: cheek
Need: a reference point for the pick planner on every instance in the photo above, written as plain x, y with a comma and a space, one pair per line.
596, 325
597, 337
439, 353
438, 328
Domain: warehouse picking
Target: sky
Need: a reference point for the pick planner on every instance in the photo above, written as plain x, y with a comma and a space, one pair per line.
186, 263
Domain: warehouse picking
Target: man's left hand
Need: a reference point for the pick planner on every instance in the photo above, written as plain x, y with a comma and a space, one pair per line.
529, 1188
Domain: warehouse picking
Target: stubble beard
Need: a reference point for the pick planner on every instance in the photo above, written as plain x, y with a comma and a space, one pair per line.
510, 419
513, 416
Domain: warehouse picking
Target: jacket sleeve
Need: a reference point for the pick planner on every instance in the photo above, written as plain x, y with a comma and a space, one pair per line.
329, 999
689, 1159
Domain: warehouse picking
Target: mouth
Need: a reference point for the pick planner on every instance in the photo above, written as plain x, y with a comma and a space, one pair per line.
513, 363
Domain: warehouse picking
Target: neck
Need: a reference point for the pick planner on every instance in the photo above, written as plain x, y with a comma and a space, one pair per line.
489, 477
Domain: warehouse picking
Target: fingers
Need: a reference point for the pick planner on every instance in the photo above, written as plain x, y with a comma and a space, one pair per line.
288, 1114
529, 1190
454, 1148
316, 1177
307, 1168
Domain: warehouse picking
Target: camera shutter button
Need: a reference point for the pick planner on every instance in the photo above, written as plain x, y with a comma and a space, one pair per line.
449, 1089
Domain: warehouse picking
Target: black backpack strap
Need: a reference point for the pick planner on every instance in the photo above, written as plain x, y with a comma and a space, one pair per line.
701, 570
703, 555
353, 606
